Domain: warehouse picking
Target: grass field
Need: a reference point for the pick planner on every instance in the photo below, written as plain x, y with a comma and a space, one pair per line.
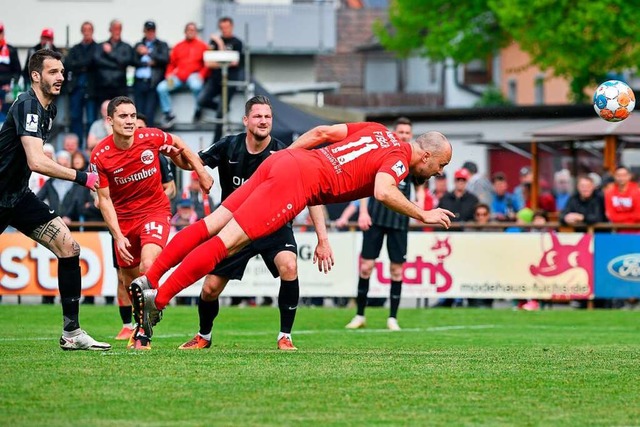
447, 367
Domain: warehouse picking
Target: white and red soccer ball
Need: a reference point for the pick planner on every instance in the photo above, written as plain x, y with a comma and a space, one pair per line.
614, 101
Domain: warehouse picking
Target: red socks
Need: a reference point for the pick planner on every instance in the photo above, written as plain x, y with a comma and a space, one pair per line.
175, 251
197, 264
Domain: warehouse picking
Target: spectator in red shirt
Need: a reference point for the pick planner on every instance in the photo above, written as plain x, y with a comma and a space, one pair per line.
622, 200
186, 68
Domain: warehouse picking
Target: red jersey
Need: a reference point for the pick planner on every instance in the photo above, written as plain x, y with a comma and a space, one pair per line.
346, 170
133, 175
623, 206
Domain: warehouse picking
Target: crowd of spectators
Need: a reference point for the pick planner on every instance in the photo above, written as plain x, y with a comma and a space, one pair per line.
98, 71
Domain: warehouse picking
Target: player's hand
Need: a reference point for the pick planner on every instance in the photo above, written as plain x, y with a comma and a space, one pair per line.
323, 256
171, 150
92, 181
206, 182
341, 222
438, 216
364, 221
121, 245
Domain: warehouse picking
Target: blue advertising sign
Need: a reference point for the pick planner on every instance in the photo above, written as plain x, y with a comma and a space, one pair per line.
617, 265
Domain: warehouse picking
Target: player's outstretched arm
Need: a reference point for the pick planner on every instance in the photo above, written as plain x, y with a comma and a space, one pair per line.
387, 193
320, 135
105, 204
39, 162
323, 254
206, 181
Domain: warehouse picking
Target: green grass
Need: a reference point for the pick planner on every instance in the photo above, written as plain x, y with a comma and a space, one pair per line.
447, 367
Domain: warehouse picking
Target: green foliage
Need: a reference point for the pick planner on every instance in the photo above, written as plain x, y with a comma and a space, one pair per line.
492, 97
447, 367
580, 41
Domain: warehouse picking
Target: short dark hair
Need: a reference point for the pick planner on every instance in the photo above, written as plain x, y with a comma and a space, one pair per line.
402, 121
482, 206
256, 100
225, 19
115, 102
498, 176
36, 62
142, 117
471, 167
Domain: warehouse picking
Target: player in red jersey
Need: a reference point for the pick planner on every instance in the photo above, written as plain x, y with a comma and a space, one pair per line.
130, 194
364, 159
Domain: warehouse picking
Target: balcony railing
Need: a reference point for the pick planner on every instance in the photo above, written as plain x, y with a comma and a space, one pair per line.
297, 28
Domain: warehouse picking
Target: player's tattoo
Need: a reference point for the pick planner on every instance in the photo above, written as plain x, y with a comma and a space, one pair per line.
47, 233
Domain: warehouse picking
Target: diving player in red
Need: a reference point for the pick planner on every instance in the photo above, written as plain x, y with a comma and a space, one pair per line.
130, 192
364, 159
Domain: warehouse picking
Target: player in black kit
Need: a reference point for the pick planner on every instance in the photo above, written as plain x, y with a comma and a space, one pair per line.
23, 134
237, 157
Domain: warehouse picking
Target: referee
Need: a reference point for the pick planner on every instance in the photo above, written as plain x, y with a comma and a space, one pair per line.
376, 221
22, 137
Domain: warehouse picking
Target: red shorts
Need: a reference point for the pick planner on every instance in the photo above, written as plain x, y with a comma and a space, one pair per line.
152, 229
272, 197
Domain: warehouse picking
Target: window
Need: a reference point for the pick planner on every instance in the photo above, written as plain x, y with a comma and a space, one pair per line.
539, 90
381, 75
512, 90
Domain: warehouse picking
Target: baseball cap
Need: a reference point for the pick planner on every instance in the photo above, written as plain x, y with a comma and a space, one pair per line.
149, 25
462, 174
47, 32
442, 176
185, 203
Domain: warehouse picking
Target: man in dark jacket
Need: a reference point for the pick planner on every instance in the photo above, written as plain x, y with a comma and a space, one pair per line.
81, 81
151, 57
9, 68
46, 42
460, 201
111, 60
586, 206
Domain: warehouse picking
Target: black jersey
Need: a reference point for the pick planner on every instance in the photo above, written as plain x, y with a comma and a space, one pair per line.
26, 117
166, 173
234, 162
384, 217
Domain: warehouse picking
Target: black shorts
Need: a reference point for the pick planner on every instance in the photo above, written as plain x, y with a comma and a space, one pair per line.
27, 215
396, 243
268, 247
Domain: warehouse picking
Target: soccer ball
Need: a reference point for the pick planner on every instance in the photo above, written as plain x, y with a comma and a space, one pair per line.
614, 101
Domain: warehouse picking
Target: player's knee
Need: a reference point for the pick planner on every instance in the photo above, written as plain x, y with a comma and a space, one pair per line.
366, 268
69, 248
145, 265
396, 272
211, 290
288, 269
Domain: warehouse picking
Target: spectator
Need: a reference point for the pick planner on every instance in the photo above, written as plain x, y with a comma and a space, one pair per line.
81, 81
201, 204
546, 201
562, 188
186, 67
99, 129
112, 58
460, 201
9, 70
622, 200
503, 204
71, 144
478, 185
586, 206
526, 177
37, 180
184, 216
481, 216
46, 42
213, 86
151, 57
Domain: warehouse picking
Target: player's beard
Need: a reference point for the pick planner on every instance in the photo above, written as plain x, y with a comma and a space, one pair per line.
260, 136
47, 89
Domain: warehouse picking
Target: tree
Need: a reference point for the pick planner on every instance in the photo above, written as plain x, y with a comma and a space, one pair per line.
579, 40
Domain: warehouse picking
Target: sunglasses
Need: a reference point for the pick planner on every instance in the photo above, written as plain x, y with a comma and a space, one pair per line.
482, 213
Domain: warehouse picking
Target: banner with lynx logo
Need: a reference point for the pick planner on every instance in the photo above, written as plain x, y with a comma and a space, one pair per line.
493, 265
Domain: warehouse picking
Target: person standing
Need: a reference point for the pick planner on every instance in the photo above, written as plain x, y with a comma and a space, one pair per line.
112, 58
237, 157
22, 135
81, 82
151, 57
46, 42
130, 193
362, 159
377, 221
9, 69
